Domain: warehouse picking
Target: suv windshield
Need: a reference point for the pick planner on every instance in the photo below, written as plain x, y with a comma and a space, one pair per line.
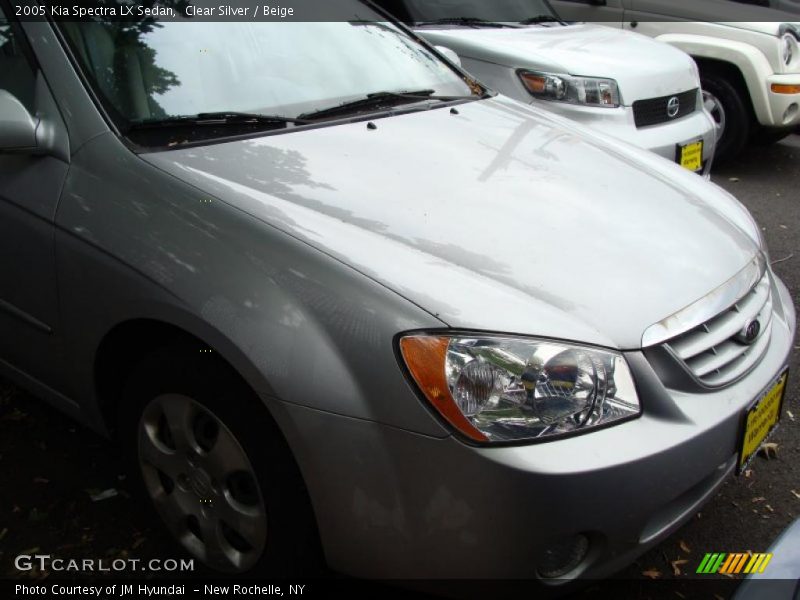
493, 11
181, 72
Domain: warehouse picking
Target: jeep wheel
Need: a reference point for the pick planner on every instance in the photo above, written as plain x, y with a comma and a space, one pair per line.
730, 110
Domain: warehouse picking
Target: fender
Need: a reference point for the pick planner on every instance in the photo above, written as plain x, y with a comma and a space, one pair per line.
750, 61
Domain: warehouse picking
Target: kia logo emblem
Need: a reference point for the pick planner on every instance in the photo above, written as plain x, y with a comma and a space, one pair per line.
673, 107
749, 333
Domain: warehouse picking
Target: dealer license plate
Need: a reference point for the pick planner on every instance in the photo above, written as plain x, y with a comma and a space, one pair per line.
690, 156
760, 420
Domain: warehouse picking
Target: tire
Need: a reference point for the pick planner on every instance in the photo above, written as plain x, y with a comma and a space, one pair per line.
731, 110
205, 454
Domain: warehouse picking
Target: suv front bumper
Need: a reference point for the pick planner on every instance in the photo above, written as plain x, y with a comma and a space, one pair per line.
662, 139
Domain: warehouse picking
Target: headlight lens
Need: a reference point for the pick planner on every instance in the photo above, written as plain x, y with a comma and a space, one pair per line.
592, 91
508, 389
788, 48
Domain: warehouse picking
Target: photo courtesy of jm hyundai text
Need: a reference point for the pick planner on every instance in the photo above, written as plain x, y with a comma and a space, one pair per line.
337, 301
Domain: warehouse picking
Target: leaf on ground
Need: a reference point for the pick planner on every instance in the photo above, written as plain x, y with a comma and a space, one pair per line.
769, 508
676, 566
16, 415
759, 499
748, 473
796, 495
769, 450
790, 414
685, 547
104, 495
652, 573
733, 179
35, 515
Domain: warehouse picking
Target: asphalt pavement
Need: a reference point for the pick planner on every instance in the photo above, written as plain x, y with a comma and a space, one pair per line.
53, 472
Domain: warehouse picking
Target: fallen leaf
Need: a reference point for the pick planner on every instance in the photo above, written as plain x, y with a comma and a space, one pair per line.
652, 573
790, 415
759, 499
748, 473
734, 179
796, 495
676, 566
36, 515
769, 508
685, 547
104, 495
15, 415
767, 449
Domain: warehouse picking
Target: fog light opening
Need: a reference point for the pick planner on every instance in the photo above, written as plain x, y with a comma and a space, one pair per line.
563, 557
790, 113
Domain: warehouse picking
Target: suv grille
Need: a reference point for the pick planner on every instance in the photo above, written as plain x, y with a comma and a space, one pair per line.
654, 110
714, 351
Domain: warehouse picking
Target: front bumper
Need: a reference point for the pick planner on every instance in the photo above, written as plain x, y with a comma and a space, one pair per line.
662, 139
397, 505
784, 108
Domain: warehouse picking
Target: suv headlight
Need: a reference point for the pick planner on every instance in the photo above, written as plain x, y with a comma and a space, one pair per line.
591, 91
510, 389
788, 48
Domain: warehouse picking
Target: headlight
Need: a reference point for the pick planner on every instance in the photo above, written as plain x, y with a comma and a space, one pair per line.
788, 48
591, 91
509, 389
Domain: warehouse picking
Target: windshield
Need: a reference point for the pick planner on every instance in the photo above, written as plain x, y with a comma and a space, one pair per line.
159, 70
499, 11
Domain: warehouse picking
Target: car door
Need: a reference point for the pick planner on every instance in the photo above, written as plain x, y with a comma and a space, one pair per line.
607, 12
30, 184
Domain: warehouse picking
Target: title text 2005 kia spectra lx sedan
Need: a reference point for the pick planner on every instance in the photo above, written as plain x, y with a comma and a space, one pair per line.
322, 285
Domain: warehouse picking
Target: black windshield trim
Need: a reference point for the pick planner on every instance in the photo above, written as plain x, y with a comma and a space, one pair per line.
322, 123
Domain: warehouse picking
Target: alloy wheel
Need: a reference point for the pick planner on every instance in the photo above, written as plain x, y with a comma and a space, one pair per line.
713, 105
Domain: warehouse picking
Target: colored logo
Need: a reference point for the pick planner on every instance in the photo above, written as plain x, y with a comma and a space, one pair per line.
673, 107
734, 563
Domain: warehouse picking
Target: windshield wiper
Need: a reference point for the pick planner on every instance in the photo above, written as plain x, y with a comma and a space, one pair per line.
541, 19
469, 21
217, 119
379, 100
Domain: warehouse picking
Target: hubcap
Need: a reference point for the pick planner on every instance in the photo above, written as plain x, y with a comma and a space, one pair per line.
717, 112
202, 483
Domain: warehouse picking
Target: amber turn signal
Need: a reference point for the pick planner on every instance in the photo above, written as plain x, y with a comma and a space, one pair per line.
425, 357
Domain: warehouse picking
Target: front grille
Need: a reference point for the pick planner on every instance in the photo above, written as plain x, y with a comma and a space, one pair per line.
654, 111
712, 352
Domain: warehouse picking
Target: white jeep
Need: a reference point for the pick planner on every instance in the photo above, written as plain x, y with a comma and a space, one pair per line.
750, 69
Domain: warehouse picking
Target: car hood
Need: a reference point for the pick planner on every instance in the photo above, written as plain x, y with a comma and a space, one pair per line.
643, 67
500, 217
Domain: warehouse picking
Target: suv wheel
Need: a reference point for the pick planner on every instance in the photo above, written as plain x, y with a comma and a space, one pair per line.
729, 109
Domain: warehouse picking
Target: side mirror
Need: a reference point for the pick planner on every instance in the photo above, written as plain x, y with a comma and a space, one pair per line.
449, 55
17, 126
